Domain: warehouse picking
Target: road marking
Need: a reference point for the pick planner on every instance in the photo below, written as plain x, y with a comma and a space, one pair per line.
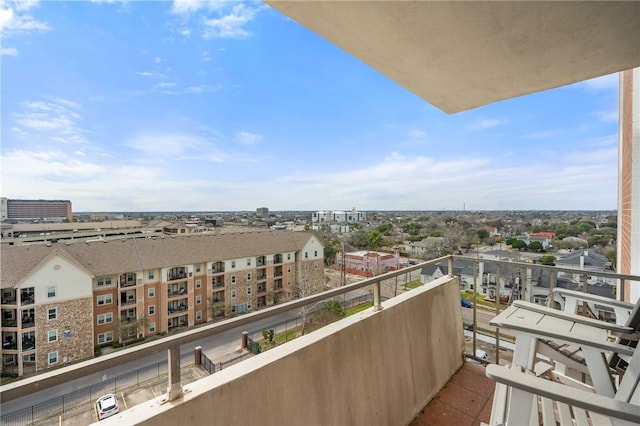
124, 401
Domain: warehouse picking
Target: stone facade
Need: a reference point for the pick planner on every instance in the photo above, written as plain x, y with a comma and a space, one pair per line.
74, 333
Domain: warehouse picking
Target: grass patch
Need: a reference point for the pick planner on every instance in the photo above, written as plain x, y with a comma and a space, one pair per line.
358, 308
412, 284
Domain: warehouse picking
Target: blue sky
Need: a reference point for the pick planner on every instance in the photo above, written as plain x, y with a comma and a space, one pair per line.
209, 106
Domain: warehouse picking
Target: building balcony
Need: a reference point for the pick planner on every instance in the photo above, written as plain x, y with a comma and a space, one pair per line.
401, 362
127, 301
177, 292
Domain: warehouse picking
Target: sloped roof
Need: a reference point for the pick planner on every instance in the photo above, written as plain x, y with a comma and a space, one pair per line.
134, 254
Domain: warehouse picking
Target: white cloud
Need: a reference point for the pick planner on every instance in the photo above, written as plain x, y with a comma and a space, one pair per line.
158, 59
215, 19
172, 144
486, 123
15, 21
248, 138
417, 133
8, 51
56, 119
542, 134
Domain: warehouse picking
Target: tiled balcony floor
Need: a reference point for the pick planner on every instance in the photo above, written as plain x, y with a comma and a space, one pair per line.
464, 401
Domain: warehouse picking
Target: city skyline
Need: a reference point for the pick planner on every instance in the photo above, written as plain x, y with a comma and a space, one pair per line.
199, 106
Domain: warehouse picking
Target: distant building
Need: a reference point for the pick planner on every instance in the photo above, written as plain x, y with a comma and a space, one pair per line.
37, 209
338, 216
367, 263
262, 211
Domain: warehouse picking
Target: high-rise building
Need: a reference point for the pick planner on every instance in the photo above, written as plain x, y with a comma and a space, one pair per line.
39, 209
262, 211
629, 180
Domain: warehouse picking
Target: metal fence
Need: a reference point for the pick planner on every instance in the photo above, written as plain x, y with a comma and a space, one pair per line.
65, 403
211, 367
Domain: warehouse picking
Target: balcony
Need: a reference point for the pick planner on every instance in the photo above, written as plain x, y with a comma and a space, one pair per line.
277, 258
176, 292
217, 268
217, 282
177, 274
127, 280
8, 296
421, 331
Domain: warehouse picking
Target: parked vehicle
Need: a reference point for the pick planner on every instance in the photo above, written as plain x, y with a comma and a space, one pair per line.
107, 406
466, 303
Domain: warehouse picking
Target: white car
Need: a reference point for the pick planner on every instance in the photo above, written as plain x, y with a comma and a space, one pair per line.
107, 406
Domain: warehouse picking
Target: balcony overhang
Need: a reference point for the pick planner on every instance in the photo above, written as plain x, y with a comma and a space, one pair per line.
462, 55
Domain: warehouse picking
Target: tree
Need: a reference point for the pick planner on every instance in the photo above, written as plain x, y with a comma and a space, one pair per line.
612, 256
375, 239
385, 228
548, 260
412, 228
483, 234
519, 244
129, 328
535, 246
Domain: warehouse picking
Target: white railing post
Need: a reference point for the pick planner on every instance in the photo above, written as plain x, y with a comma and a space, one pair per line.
174, 389
377, 299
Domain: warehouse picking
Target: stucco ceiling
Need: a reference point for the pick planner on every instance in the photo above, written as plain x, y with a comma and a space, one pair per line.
461, 55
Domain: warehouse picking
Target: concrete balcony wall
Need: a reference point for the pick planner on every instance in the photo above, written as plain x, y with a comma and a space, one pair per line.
372, 368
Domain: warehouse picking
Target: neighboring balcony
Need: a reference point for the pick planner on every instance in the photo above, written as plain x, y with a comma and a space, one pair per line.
277, 271
277, 258
9, 296
179, 273
27, 296
28, 319
217, 282
176, 291
217, 268
127, 280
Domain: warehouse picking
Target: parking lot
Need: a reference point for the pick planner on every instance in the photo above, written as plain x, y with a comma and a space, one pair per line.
86, 414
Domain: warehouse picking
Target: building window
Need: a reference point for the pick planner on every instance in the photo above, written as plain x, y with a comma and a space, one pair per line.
51, 291
306, 255
198, 300
248, 290
52, 313
152, 309
288, 256
104, 299
105, 280
198, 315
315, 265
288, 268
152, 327
233, 263
151, 292
248, 276
53, 358
105, 318
248, 262
52, 336
198, 268
150, 275
315, 253
233, 294
233, 309
248, 305
233, 279
198, 283
105, 337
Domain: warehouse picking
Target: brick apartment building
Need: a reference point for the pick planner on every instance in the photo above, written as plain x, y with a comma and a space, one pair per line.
61, 300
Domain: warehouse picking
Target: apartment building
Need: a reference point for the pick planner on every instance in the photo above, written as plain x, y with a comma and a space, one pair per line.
62, 300
352, 216
629, 180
